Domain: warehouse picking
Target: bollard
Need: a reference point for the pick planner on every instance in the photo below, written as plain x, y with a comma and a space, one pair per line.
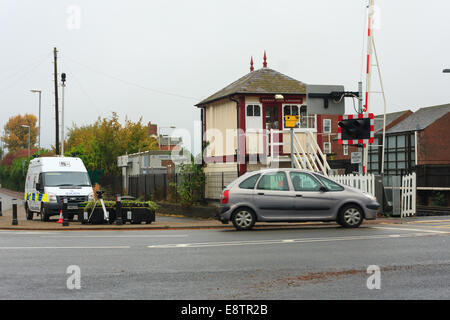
14, 216
119, 221
1, 207
65, 219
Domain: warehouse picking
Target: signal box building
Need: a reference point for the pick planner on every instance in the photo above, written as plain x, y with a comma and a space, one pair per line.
244, 129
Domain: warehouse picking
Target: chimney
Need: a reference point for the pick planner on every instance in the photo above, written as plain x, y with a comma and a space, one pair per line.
251, 65
265, 60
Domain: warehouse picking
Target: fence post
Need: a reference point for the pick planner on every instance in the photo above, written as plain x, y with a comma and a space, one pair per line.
414, 192
165, 175
145, 187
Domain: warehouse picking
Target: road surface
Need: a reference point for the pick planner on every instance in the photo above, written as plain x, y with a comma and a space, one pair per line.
308, 262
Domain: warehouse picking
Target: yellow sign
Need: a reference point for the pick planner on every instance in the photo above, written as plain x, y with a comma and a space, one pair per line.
291, 121
41, 197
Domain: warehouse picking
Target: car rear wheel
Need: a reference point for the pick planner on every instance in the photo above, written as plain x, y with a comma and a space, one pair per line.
244, 219
351, 216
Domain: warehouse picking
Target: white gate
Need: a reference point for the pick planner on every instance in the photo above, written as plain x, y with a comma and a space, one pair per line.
408, 192
365, 183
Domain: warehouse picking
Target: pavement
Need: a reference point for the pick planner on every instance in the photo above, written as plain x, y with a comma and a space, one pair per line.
163, 221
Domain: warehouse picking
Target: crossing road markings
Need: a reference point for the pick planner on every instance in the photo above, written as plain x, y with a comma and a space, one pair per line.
280, 241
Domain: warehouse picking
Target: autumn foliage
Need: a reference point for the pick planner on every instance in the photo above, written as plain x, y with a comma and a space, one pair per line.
99, 144
16, 136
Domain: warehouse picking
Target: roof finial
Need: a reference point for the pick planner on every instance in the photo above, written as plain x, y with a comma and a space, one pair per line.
265, 60
251, 65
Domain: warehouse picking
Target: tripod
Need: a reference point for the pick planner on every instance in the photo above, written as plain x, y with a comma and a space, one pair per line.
100, 198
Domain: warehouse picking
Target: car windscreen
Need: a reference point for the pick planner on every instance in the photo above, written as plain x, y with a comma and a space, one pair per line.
61, 179
331, 185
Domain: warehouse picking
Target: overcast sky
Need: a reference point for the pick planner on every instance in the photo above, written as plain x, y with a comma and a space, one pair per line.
156, 59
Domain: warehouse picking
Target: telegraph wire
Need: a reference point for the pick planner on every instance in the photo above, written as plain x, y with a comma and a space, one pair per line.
131, 83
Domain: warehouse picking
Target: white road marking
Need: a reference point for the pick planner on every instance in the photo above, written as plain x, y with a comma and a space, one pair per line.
26, 232
32, 248
409, 229
122, 236
428, 221
279, 241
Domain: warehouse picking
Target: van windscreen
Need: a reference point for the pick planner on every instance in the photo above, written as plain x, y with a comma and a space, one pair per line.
60, 179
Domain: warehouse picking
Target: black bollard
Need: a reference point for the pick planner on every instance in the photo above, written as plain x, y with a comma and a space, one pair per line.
119, 221
1, 207
14, 216
65, 219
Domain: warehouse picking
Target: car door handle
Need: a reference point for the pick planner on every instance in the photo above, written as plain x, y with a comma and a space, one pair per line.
260, 193
299, 195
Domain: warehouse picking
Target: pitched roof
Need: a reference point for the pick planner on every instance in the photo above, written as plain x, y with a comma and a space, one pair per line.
421, 119
261, 81
390, 118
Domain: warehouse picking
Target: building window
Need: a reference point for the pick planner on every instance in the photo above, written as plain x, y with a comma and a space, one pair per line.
253, 111
345, 149
327, 147
326, 125
290, 110
307, 121
399, 155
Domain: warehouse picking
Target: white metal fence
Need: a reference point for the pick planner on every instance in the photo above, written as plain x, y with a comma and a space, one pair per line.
409, 195
365, 183
408, 190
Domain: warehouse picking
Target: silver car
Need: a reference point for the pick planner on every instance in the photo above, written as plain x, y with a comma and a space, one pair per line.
292, 195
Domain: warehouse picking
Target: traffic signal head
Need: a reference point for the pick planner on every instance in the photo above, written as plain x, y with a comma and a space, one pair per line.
356, 129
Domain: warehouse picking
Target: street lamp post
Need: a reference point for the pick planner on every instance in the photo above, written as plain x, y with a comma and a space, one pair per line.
39, 133
29, 133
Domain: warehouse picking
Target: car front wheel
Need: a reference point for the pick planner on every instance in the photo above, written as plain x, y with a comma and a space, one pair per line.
244, 219
29, 213
44, 215
351, 216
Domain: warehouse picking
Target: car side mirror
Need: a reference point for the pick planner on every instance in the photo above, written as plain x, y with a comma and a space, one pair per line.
323, 189
38, 186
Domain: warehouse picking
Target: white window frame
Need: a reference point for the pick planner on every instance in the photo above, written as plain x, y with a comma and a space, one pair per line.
329, 126
298, 129
325, 149
260, 126
345, 149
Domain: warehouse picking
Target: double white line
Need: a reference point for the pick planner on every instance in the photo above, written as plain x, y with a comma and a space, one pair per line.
284, 241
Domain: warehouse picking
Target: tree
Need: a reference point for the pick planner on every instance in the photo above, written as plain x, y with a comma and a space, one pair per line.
16, 136
99, 144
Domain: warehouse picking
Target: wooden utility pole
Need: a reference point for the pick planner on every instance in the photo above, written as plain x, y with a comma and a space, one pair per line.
55, 76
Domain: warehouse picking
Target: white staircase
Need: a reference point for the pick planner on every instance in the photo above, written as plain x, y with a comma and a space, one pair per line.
307, 157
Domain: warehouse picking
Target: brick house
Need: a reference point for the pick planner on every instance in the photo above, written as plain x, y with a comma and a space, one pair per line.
417, 142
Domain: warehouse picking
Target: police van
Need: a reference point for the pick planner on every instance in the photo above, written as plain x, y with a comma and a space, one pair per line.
49, 180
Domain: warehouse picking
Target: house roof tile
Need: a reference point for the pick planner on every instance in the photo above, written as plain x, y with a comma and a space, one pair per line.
421, 119
262, 81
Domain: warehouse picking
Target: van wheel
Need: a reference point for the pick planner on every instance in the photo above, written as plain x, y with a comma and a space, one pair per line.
243, 219
44, 214
350, 216
29, 213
